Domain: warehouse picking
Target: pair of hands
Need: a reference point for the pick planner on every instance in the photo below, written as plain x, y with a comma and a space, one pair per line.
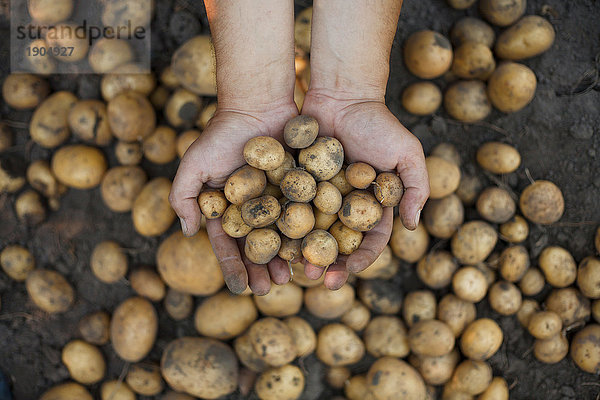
368, 131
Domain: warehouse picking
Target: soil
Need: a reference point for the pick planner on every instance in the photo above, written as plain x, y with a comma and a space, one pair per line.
557, 136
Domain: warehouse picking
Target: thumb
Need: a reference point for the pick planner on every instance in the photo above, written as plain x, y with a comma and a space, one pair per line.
184, 194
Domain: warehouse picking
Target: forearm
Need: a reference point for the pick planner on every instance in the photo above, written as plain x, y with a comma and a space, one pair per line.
350, 50
254, 46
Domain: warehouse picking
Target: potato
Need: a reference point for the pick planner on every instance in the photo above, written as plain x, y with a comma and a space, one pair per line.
456, 313
121, 185
49, 290
171, 395
108, 54
338, 345
418, 306
448, 152
435, 269
468, 189
569, 304
262, 245
160, 147
185, 140
340, 182
278, 383
133, 329
299, 186
189, 264
514, 262
49, 126
467, 101
84, 361
528, 308
39, 64
66, 34
131, 116
213, 204
469, 284
558, 266
356, 388
328, 304
128, 153
67, 391
515, 230
383, 267
275, 176
588, 277
442, 217
125, 78
79, 166
380, 296
421, 98
244, 184
193, 64
328, 198
233, 224
145, 379
88, 120
302, 29
530, 36
273, 341
532, 282
444, 177
95, 328
427, 54
481, 339
360, 175
147, 283
596, 310
497, 390
386, 335
461, 4
473, 242
29, 208
511, 87
303, 334
178, 305
502, 12
264, 153
544, 324
50, 12
348, 240
258, 212
388, 189
301, 131
470, 29
585, 349
17, 262
505, 298
290, 249
322, 220
116, 390
247, 355
202, 367
206, 115
323, 159
388, 377
320, 248
281, 301
123, 12
337, 377
360, 211
431, 338
167, 77
473, 60
552, 350
542, 202
409, 246
182, 108
435, 370
24, 91
472, 377
496, 205
151, 212
357, 317
108, 262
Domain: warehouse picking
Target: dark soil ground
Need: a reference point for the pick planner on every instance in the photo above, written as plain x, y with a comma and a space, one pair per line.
557, 135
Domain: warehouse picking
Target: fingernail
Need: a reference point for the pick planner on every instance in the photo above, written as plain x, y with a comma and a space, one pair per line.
417, 217
183, 226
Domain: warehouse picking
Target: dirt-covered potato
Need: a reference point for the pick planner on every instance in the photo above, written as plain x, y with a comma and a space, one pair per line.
515, 230
29, 208
585, 349
427, 54
213, 204
84, 361
514, 262
422, 98
532, 282
194, 66
258, 212
473, 60
380, 296
264, 153
360, 211
281, 301
469, 284
544, 324
356, 388
247, 355
39, 64
189, 264
66, 34
552, 350
290, 249
384, 266
528, 308
497, 390
185, 140
505, 298
386, 335
321, 220
273, 341
328, 198
388, 189
298, 185
320, 248
473, 242
95, 328
542, 202
442, 217
275, 176
302, 29
511, 87
17, 262
418, 306
436, 269
456, 313
178, 305
79, 166
122, 12
357, 317
323, 159
301, 131
24, 91
336, 377
145, 379
431, 338
588, 277
116, 390
408, 245
303, 334
467, 101
286, 382
50, 12
388, 377
472, 377
182, 108
444, 176
49, 123
468, 189
570, 304
340, 182
131, 116
206, 115
530, 36
127, 77
88, 120
498, 158
262, 245
435, 370
202, 367
348, 240
128, 153
481, 339
133, 329
108, 262
495, 205
360, 175
558, 266
160, 146
121, 185
151, 212
67, 391
147, 283
108, 54
328, 304
49, 290
338, 345
233, 224
502, 12
244, 184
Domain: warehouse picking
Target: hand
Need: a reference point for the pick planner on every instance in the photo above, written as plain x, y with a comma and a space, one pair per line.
209, 161
370, 133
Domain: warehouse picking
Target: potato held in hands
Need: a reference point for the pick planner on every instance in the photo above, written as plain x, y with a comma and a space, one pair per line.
360, 211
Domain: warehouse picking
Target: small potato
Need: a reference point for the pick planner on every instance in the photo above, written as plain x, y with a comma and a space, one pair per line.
301, 131
570, 304
159, 97
530, 36
323, 159
95, 328
384, 267
497, 390
473, 60
542, 202
159, 147
39, 64
116, 390
260, 212
588, 277
386, 335
151, 212
356, 388
388, 377
67, 391
427, 54
380, 296
468, 189
514, 262
348, 240
49, 290
481, 339
409, 246
585, 349
448, 152
340, 182
273, 341
303, 334
66, 34
131, 116
194, 66
473, 242
88, 120
185, 140
290, 249
528, 308
360, 211
515, 230
17, 262
303, 28
418, 306
532, 283
145, 379
244, 184
356, 317
431, 338
84, 361
133, 329
461, 4
360, 175
275, 176
505, 298
127, 77
442, 217
299, 186
388, 189
121, 185
108, 54
24, 91
469, 284
472, 377
421, 98
320, 248
435, 370
264, 153
328, 304
262, 245
436, 269
552, 350
206, 115
50, 12
498, 158
338, 345
322, 220
511, 87
328, 198
129, 153
167, 77
123, 12
213, 203
467, 101
496, 205
182, 108
456, 313
178, 305
444, 177
279, 383
29, 208
248, 357
544, 324
502, 12
281, 301
49, 123
337, 376
79, 166
233, 224
558, 266
147, 283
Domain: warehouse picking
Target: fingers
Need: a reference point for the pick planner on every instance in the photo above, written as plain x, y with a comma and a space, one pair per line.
258, 275
228, 253
279, 271
373, 243
413, 172
337, 274
312, 271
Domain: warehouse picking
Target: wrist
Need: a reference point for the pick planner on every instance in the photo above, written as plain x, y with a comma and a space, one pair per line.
347, 86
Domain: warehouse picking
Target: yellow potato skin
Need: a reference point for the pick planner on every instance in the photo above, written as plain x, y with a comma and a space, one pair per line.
530, 36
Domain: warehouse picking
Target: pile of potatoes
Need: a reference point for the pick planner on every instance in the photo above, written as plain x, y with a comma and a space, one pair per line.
480, 70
